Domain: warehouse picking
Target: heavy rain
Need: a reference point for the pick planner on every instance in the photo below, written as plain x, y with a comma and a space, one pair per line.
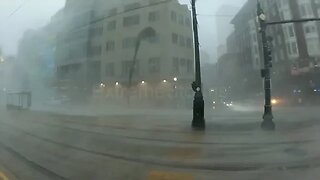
159, 89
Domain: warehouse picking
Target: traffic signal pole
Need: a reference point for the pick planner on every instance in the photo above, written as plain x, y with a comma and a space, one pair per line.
267, 123
198, 121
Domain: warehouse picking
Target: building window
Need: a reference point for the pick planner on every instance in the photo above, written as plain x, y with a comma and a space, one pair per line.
94, 51
187, 21
291, 31
154, 16
281, 54
303, 10
181, 19
182, 41
96, 31
174, 38
154, 65
307, 29
129, 43
110, 46
173, 16
175, 65
131, 20
279, 39
154, 39
294, 47
183, 66
126, 68
254, 37
189, 43
131, 6
310, 29
110, 69
112, 25
289, 48
190, 66
256, 49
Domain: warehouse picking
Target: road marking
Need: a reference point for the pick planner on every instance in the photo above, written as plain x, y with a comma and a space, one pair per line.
3, 176
163, 175
184, 153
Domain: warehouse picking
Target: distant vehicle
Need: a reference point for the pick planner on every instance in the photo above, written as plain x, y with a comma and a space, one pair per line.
222, 104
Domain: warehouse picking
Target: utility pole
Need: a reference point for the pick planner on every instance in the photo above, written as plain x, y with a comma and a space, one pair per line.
198, 121
267, 123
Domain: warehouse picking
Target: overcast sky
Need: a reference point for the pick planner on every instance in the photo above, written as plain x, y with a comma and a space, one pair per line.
16, 16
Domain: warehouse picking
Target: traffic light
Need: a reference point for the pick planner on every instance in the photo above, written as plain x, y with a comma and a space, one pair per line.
269, 57
269, 51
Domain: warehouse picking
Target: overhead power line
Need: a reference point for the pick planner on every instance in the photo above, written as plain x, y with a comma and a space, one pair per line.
218, 15
18, 8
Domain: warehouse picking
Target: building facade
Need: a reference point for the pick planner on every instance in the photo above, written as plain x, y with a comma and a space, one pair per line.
295, 47
292, 42
99, 50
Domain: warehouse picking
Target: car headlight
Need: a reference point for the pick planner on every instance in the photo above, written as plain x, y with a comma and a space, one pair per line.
274, 101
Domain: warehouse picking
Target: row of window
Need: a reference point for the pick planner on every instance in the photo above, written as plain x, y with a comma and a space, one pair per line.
181, 40
94, 51
96, 31
182, 66
152, 17
131, 6
179, 66
153, 67
129, 42
180, 19
292, 48
133, 20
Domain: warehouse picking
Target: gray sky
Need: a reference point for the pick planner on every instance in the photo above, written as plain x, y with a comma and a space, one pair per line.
36, 13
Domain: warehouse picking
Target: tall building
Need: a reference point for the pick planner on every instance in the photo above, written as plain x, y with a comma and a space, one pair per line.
97, 44
297, 43
246, 36
295, 46
223, 17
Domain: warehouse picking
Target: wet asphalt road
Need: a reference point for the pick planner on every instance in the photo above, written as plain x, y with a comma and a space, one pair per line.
42, 145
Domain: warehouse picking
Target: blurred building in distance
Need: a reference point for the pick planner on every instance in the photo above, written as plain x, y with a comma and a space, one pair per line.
223, 17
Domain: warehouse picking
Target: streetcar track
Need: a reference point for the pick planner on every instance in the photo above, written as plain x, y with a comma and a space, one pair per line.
32, 164
175, 164
170, 140
15, 175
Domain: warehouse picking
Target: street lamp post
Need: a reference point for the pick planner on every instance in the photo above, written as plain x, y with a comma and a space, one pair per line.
198, 121
267, 123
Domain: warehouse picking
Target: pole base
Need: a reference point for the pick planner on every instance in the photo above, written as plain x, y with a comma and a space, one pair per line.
198, 124
268, 124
